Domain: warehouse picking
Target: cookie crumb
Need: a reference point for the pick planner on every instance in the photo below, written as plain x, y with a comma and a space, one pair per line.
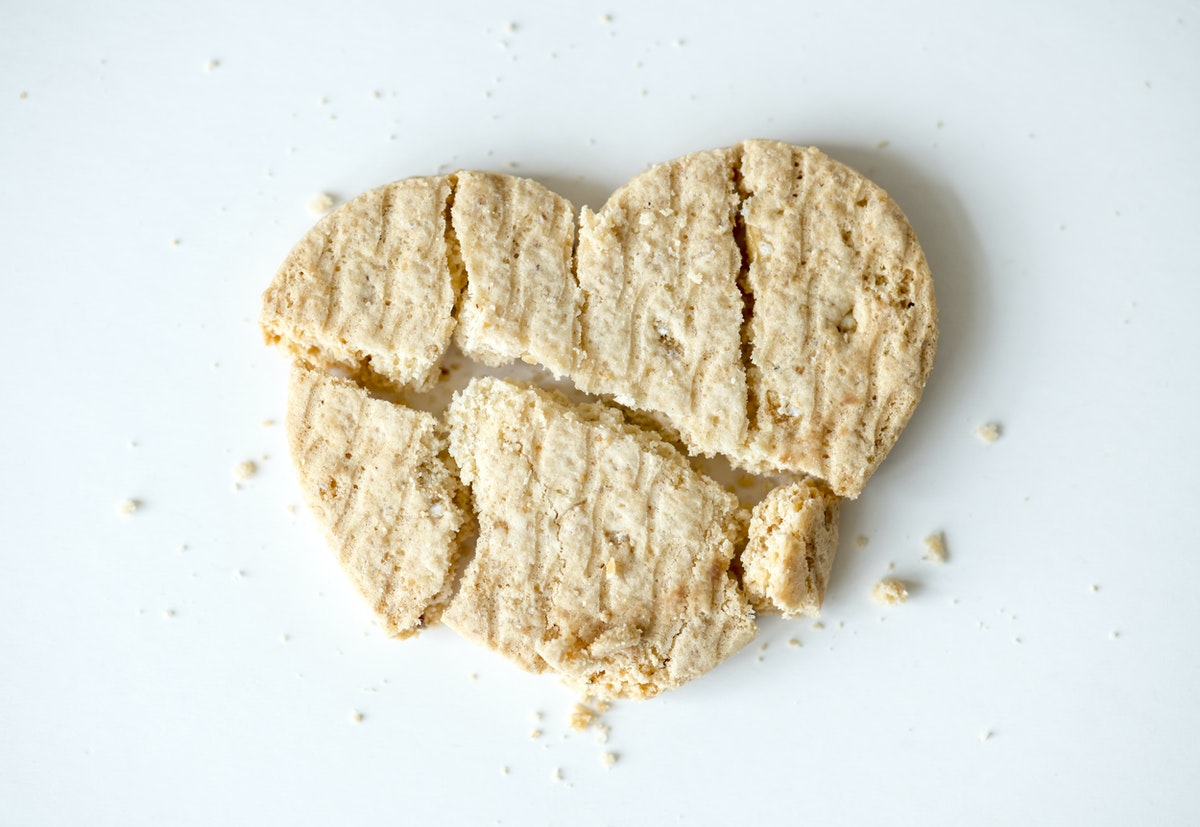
267, 423
320, 204
1094, 588
609, 758
557, 774
474, 676
985, 735
989, 432
581, 717
284, 638
128, 507
818, 626
793, 642
606, 18
883, 144
861, 541
174, 242
1114, 634
245, 470
212, 64
170, 613
935, 545
22, 96
602, 731
889, 592
537, 733
504, 770
356, 717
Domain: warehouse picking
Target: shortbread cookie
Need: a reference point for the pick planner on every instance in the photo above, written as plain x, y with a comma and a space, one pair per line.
375, 477
601, 555
370, 288
844, 323
521, 302
662, 314
793, 540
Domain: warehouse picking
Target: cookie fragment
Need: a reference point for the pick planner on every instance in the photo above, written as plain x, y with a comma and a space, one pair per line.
844, 323
370, 288
662, 314
521, 301
793, 540
561, 490
374, 475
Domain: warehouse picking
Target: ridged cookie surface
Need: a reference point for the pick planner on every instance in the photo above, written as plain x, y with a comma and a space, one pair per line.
376, 480
370, 288
662, 314
516, 239
601, 555
844, 324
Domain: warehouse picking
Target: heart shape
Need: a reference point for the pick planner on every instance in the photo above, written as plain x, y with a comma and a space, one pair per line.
760, 302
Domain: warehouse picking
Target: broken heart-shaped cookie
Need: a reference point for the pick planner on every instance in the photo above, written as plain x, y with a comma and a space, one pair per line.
761, 303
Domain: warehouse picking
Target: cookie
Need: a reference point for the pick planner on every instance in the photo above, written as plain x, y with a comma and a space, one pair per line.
662, 314
844, 323
376, 478
516, 240
793, 540
370, 289
601, 554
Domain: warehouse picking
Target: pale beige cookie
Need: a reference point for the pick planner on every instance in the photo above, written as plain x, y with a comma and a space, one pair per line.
521, 302
375, 477
793, 540
601, 555
370, 288
844, 323
661, 316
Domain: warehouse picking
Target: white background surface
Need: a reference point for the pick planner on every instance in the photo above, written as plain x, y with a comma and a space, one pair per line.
1044, 152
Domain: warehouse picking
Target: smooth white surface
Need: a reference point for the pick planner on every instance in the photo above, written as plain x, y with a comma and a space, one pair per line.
1045, 153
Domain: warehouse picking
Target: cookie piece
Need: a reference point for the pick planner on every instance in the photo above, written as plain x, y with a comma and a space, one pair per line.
661, 315
601, 555
844, 323
370, 288
375, 477
793, 540
521, 302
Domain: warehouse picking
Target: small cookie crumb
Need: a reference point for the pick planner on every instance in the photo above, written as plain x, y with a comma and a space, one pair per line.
557, 774
935, 545
1094, 588
170, 613
883, 144
889, 592
989, 432
128, 507
245, 470
284, 638
22, 96
504, 770
356, 717
320, 204
174, 242
267, 423
818, 626
609, 758
212, 64
602, 731
537, 733
581, 717
793, 642
861, 541
1114, 634
985, 735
